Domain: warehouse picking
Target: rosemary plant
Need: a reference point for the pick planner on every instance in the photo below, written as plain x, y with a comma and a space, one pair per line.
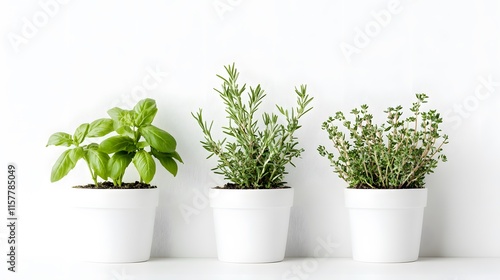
256, 155
395, 155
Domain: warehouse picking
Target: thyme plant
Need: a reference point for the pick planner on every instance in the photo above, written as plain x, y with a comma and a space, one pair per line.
394, 155
256, 155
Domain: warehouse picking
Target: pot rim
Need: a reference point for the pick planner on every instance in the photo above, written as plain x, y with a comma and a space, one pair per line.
270, 189
251, 198
376, 189
385, 198
113, 198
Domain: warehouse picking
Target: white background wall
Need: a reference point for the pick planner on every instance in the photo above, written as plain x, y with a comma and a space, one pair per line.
66, 63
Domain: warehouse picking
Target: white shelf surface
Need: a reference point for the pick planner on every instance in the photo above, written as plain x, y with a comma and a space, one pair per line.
289, 269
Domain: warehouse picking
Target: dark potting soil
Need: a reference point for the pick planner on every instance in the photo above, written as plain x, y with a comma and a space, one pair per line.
109, 185
233, 186
402, 187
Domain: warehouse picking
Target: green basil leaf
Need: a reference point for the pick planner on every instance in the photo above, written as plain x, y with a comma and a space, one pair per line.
76, 154
123, 129
100, 127
123, 117
145, 165
94, 146
176, 156
166, 161
127, 117
115, 113
158, 138
60, 139
81, 133
98, 162
145, 111
117, 143
117, 165
173, 155
170, 165
142, 144
66, 161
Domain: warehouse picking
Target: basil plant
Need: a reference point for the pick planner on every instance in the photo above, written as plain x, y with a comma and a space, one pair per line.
136, 141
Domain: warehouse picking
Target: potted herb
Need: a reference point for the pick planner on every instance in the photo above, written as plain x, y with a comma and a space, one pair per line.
385, 167
115, 219
252, 211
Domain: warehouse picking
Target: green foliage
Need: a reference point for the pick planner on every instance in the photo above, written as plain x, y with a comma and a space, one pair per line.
258, 155
113, 155
395, 155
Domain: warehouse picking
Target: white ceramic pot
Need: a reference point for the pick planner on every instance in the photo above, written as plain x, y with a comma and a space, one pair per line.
113, 225
251, 225
386, 225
